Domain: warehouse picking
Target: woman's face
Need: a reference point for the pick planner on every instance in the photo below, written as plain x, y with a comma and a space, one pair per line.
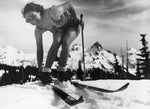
32, 17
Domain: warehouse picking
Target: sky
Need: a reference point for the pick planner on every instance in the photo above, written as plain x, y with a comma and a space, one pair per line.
111, 22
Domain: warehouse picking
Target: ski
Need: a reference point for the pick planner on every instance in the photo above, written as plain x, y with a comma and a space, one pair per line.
46, 78
81, 86
71, 101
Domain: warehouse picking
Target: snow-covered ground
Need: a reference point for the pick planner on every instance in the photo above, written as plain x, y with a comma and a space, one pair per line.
35, 96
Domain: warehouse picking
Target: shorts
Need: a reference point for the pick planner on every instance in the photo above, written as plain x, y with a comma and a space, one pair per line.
71, 24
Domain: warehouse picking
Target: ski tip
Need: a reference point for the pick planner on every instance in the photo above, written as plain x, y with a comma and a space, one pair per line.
127, 84
123, 87
80, 100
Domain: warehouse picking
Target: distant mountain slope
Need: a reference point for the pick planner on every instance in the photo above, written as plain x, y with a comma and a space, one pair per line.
95, 57
11, 56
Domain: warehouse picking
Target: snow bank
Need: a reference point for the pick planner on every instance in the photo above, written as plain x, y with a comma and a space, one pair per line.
35, 96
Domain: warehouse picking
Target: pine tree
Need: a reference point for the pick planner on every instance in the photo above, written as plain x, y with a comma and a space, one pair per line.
144, 62
118, 69
138, 75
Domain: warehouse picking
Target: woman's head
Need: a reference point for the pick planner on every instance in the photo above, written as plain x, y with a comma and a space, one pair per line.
33, 7
32, 12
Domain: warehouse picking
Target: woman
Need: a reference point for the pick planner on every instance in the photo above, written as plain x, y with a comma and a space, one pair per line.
62, 21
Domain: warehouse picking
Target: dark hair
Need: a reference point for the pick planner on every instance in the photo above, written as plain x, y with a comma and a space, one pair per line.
33, 7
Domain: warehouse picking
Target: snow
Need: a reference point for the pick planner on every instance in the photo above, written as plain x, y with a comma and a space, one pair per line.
1, 73
133, 56
34, 96
9, 55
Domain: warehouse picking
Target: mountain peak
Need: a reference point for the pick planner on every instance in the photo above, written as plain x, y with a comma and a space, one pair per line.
97, 45
133, 51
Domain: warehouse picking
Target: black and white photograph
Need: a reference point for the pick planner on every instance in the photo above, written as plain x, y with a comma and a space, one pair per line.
74, 54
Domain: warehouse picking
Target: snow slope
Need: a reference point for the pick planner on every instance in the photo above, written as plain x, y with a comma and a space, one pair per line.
35, 96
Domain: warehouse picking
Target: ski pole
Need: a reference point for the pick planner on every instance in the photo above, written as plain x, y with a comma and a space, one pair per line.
82, 28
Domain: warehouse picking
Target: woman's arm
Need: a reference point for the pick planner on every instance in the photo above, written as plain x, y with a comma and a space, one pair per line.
57, 11
39, 44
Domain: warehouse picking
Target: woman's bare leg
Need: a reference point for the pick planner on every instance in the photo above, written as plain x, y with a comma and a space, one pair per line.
52, 54
68, 38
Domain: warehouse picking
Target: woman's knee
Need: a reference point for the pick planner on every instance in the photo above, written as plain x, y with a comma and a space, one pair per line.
65, 45
56, 42
69, 38
57, 37
55, 45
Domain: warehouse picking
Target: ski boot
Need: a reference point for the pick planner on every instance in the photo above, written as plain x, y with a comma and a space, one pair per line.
45, 77
60, 77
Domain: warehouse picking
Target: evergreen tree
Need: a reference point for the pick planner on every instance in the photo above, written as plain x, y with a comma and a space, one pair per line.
118, 68
138, 70
144, 63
